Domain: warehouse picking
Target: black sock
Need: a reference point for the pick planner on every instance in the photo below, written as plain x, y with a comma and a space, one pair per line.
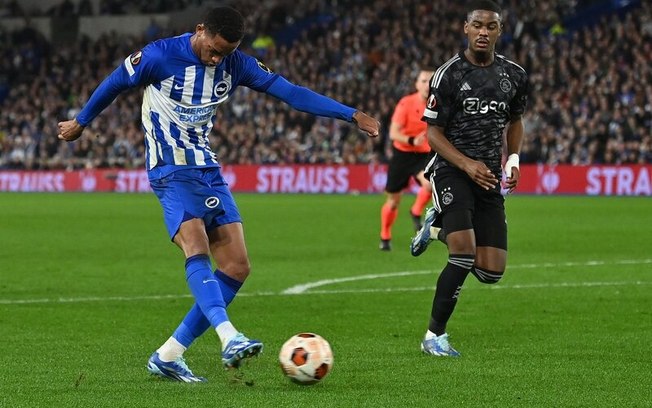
441, 236
485, 275
448, 289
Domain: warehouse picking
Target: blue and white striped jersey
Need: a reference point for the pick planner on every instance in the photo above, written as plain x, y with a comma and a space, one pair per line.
182, 95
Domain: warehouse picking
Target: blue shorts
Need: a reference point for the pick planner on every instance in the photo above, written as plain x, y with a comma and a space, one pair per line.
195, 193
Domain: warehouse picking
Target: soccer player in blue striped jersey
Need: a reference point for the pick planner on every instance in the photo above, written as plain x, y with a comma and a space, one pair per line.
186, 78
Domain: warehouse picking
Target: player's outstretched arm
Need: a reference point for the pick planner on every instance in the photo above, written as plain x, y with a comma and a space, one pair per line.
102, 97
477, 170
307, 100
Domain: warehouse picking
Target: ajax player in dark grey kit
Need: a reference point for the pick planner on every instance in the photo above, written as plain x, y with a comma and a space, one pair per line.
473, 97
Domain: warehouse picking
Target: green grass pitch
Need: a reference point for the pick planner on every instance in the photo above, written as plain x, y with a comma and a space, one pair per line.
90, 286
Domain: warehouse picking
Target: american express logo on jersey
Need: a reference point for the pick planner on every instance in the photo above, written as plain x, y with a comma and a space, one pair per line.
197, 114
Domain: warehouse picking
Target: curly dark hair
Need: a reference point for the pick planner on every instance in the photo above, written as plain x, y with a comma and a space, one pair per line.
225, 21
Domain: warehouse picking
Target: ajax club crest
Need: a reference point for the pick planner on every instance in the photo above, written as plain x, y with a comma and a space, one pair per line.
505, 85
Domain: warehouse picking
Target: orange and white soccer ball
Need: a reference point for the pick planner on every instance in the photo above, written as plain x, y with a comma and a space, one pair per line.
306, 358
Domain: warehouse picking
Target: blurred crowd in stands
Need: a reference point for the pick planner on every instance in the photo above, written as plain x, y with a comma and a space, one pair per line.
67, 8
590, 102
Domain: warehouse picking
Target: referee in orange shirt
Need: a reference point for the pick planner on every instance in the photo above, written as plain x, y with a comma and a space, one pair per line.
410, 152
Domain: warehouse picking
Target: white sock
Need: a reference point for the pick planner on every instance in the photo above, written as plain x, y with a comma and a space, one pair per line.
430, 335
226, 331
170, 350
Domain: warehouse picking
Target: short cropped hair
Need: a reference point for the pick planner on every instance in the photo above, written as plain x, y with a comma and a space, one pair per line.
225, 21
482, 5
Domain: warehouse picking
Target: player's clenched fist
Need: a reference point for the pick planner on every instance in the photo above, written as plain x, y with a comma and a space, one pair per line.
70, 130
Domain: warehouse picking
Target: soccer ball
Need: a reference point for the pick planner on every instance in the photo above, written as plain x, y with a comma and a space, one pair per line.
306, 358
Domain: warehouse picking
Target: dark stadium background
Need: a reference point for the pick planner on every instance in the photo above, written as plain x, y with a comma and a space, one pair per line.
589, 63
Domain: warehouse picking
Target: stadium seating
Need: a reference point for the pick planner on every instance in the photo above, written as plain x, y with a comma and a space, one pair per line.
591, 85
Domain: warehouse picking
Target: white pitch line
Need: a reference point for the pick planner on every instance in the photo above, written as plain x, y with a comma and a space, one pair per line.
303, 289
91, 299
112, 298
323, 292
298, 289
483, 287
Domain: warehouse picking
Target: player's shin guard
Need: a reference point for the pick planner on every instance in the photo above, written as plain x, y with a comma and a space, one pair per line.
448, 289
486, 276
195, 323
206, 289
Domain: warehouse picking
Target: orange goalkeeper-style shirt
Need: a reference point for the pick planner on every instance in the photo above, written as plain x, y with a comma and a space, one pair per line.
407, 115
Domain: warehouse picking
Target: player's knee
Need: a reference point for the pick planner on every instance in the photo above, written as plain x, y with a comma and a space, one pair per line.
237, 269
191, 246
393, 201
486, 276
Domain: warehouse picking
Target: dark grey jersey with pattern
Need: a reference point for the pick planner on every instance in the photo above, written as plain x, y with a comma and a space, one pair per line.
473, 105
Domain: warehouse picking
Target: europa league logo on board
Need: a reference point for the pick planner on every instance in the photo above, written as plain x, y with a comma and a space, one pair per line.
549, 179
377, 178
229, 176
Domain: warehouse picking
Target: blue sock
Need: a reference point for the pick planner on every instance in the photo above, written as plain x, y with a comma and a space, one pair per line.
195, 323
192, 326
206, 289
228, 285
